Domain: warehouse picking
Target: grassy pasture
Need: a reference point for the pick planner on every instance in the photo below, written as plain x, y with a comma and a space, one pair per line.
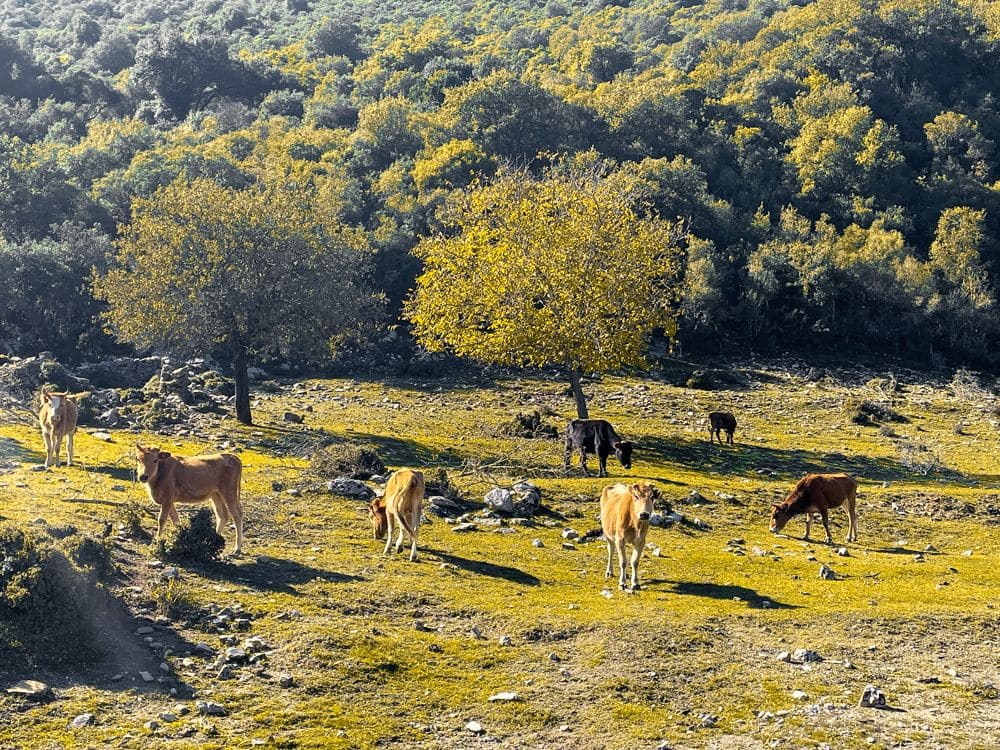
385, 653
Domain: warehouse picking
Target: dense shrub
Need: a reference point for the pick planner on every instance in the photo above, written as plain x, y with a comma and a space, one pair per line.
347, 459
195, 540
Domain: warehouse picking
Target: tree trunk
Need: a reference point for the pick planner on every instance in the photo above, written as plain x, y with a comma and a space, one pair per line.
242, 379
581, 400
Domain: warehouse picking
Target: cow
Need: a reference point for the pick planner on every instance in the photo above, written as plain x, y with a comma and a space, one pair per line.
818, 493
718, 421
399, 508
57, 418
596, 436
625, 512
170, 480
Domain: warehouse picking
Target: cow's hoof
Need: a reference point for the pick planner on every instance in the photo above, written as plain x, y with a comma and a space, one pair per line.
637, 587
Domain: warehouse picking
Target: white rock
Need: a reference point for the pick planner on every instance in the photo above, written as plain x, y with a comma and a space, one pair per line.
504, 697
475, 727
799, 695
81, 721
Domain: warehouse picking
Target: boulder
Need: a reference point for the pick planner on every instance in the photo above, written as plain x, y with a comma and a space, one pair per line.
500, 499
352, 488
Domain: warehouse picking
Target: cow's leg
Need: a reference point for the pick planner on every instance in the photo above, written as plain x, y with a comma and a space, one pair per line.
852, 515
729, 438
825, 515
401, 537
173, 515
390, 521
57, 447
47, 437
69, 449
609, 570
567, 452
236, 513
221, 514
634, 566
620, 543
602, 464
809, 516
414, 530
167, 510
583, 462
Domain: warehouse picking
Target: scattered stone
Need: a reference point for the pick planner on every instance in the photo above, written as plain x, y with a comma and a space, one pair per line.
568, 545
435, 649
208, 708
81, 721
919, 557
800, 656
170, 573
181, 710
607, 593
350, 488
145, 630
843, 552
500, 500
151, 726
285, 680
146, 676
228, 672
799, 695
570, 534
475, 727
872, 697
504, 697
708, 720
234, 653
565, 728
967, 553
34, 690
168, 717
537, 543
101, 435
463, 527
506, 640
696, 498
292, 417
826, 573
930, 548
443, 507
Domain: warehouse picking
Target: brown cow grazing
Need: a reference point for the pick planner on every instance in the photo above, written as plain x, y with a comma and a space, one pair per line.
57, 418
818, 493
625, 512
170, 480
399, 509
718, 421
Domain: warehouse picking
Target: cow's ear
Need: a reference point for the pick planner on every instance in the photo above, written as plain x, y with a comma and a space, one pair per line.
139, 449
163, 455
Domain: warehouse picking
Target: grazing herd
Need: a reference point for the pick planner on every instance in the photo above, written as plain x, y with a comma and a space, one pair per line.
625, 513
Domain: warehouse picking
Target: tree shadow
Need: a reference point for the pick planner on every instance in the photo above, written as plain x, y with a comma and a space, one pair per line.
480, 567
753, 599
121, 473
755, 460
404, 452
270, 574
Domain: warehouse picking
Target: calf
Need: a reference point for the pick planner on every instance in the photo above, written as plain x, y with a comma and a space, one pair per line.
718, 421
596, 436
399, 508
170, 480
625, 512
57, 418
818, 493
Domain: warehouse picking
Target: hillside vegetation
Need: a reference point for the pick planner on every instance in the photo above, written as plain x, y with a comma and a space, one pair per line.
363, 651
832, 162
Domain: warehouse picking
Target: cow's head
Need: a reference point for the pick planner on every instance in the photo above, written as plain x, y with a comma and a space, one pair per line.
53, 402
780, 513
623, 450
376, 513
643, 496
148, 462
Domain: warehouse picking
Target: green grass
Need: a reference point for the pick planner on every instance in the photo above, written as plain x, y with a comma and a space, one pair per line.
701, 638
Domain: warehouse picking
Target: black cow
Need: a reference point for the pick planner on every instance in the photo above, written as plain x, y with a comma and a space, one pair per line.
596, 436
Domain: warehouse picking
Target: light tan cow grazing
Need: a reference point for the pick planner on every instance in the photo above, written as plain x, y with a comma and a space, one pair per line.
170, 480
625, 512
399, 508
57, 418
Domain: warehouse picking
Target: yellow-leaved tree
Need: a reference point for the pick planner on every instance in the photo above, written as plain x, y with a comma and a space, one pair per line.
567, 270
257, 271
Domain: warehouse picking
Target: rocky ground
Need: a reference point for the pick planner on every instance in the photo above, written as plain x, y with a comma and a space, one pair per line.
505, 632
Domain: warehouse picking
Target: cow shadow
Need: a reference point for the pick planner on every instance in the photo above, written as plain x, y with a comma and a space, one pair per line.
270, 574
14, 450
119, 473
481, 567
755, 460
754, 599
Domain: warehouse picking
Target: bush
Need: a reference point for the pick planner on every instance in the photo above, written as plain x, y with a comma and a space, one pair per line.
873, 413
347, 459
93, 554
528, 425
132, 514
195, 540
46, 606
438, 483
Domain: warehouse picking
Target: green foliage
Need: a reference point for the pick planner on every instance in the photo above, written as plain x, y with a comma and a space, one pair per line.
195, 540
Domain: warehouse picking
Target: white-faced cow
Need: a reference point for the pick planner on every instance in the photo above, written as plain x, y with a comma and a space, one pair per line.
57, 418
399, 509
625, 513
719, 421
170, 480
596, 436
818, 493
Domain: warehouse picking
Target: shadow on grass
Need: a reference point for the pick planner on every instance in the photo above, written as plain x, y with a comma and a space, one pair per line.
271, 574
719, 591
480, 567
121, 473
753, 460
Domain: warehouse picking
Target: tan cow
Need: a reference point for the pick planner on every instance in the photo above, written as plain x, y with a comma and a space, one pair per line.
170, 480
399, 508
625, 512
57, 418
818, 493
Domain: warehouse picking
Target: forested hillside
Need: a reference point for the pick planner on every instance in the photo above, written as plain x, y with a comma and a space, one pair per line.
833, 162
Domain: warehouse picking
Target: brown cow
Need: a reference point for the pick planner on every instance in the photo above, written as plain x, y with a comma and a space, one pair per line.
625, 512
57, 418
399, 508
718, 421
171, 480
818, 493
